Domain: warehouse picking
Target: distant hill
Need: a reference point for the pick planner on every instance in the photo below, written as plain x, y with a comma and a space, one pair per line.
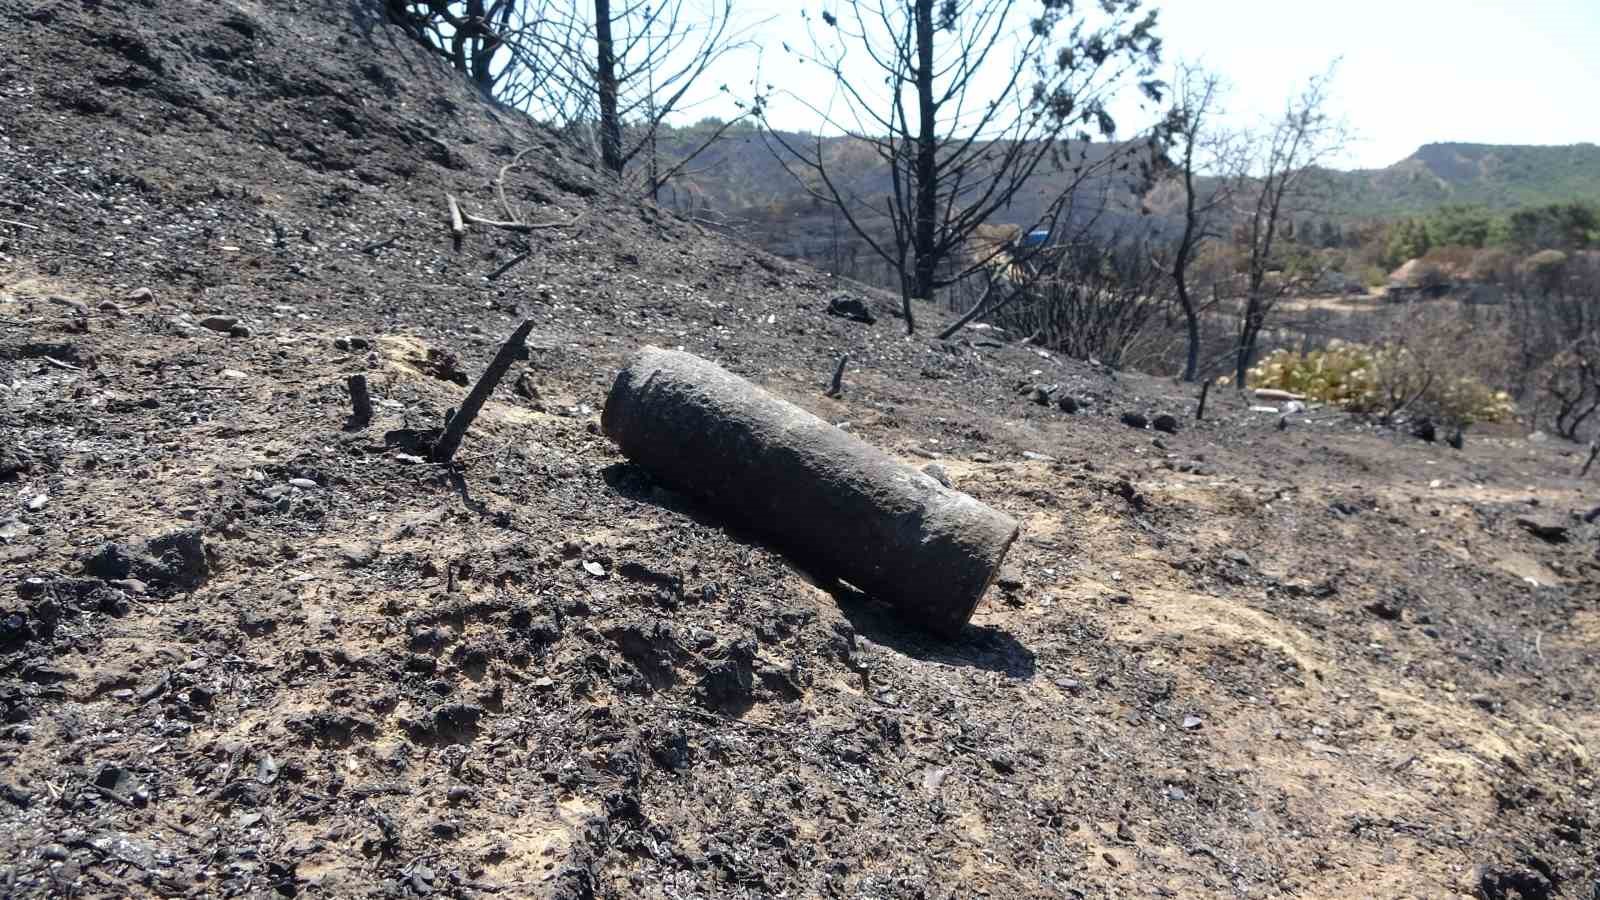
1495, 176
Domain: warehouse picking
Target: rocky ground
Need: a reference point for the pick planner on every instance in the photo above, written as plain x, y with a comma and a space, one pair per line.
252, 647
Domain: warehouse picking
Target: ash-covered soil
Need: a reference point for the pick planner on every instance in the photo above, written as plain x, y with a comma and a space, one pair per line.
251, 648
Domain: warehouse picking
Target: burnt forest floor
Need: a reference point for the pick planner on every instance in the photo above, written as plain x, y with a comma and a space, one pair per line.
250, 647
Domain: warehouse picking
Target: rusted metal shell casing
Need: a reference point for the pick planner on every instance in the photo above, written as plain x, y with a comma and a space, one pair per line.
835, 504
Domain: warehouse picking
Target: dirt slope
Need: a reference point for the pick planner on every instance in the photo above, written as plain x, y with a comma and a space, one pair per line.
247, 650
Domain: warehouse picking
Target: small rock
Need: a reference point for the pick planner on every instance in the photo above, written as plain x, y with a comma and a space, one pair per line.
1423, 429
1166, 423
1383, 610
595, 569
1549, 532
139, 295
1192, 723
303, 483
223, 324
1238, 556
1040, 395
38, 503
1037, 457
848, 307
1134, 420
937, 473
239, 331
1067, 404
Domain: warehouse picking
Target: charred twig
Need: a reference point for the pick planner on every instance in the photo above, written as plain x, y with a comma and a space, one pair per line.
515, 261
1200, 411
381, 245
360, 401
500, 186
458, 228
837, 387
515, 226
1594, 451
450, 441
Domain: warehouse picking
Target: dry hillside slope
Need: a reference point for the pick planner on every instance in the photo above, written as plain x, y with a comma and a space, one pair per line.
248, 650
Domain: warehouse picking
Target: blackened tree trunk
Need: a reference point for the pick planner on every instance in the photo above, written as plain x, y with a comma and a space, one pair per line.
926, 257
606, 87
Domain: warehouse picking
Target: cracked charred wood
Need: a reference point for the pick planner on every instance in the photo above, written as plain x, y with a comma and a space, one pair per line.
832, 502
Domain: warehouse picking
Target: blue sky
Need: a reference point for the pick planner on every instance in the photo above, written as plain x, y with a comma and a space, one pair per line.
1411, 71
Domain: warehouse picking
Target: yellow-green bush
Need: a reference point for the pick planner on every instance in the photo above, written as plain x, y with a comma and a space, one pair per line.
1381, 379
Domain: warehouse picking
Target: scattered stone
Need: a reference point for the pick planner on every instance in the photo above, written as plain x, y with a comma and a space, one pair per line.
1009, 579
239, 331
139, 295
595, 569
223, 324
121, 786
729, 682
1067, 404
848, 307
37, 503
351, 342
357, 556
1040, 395
1036, 457
1238, 556
1384, 610
303, 483
1134, 420
1423, 429
1456, 440
1166, 423
1192, 723
937, 473
1343, 508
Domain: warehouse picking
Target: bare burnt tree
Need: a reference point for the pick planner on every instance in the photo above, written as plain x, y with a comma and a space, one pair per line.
1555, 324
1205, 162
605, 75
468, 33
1088, 299
958, 148
1282, 173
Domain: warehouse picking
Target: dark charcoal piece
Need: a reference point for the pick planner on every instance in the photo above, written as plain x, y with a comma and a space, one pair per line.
729, 683
1067, 404
1166, 423
848, 307
1134, 420
1423, 429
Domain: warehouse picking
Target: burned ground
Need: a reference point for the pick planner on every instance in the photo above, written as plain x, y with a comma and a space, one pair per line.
251, 647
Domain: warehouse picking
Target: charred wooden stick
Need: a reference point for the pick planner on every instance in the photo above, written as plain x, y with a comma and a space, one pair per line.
458, 228
837, 387
513, 226
360, 400
457, 427
837, 505
381, 245
500, 185
1200, 411
1594, 451
515, 261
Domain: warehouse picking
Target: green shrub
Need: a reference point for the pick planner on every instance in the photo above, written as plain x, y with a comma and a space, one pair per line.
1380, 380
